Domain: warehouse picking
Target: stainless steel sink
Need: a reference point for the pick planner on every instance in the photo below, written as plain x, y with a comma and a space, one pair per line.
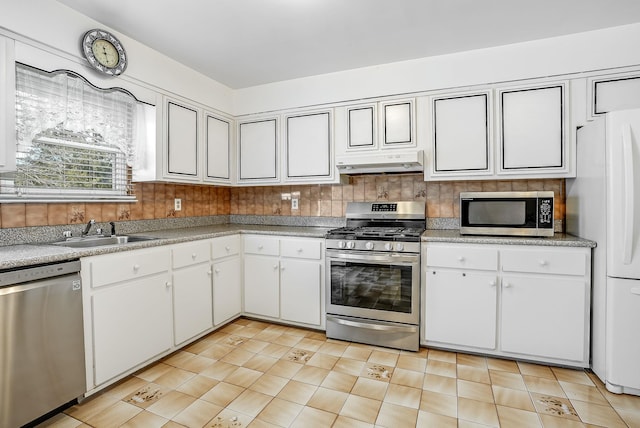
100, 241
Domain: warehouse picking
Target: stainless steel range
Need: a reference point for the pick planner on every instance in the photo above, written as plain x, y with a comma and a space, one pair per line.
373, 274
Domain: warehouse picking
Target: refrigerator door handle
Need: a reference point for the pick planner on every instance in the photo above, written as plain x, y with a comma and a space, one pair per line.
629, 201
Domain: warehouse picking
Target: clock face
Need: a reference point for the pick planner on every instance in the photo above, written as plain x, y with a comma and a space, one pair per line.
104, 52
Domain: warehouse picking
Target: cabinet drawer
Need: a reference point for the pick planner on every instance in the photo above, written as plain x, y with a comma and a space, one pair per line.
226, 246
544, 261
261, 245
462, 257
302, 249
190, 254
128, 265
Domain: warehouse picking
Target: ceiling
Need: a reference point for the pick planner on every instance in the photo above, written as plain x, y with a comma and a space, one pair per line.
243, 43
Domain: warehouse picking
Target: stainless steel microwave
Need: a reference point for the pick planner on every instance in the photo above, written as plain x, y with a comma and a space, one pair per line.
506, 213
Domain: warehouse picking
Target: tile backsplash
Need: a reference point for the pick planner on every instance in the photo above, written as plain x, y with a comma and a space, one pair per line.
156, 200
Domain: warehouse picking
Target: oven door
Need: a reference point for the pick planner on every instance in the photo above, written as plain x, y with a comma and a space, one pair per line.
372, 285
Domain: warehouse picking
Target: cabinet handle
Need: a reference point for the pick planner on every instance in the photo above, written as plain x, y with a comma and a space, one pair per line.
209, 273
217, 270
227, 248
136, 268
460, 258
282, 267
260, 247
275, 267
193, 256
542, 262
506, 285
492, 283
299, 250
167, 284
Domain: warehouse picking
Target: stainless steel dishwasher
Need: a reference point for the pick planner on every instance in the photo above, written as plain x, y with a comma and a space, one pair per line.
41, 341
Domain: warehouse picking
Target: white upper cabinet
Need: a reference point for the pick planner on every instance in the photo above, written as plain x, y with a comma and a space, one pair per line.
7, 105
613, 92
258, 151
398, 123
182, 140
362, 127
500, 133
218, 147
308, 152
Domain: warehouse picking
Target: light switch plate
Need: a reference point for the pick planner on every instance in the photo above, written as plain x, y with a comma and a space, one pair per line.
177, 204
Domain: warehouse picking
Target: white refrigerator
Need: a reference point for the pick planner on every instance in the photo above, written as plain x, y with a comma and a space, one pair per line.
603, 204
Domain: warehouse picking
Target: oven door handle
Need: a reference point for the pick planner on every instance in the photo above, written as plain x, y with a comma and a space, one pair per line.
378, 327
394, 258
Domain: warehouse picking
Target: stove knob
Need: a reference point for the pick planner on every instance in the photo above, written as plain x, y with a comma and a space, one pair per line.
340, 244
350, 244
399, 247
369, 245
388, 246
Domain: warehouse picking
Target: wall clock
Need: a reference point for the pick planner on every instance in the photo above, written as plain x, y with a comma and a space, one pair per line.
104, 52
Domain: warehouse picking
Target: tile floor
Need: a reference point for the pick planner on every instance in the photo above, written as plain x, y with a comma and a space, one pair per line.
256, 374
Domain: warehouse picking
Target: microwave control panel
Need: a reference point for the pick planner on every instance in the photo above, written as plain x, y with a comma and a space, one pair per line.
545, 211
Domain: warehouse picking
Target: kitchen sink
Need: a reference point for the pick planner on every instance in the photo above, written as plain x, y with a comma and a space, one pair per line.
100, 241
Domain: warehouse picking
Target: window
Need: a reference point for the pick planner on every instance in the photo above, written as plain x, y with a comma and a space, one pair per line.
74, 141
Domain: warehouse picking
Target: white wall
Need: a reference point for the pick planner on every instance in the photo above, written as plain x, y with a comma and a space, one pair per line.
582, 52
61, 28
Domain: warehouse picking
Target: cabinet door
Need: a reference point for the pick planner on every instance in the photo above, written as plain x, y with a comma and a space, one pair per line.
192, 304
361, 127
461, 138
623, 317
182, 140
218, 147
257, 150
461, 308
7, 105
532, 133
227, 290
131, 325
308, 146
261, 285
398, 123
544, 316
300, 288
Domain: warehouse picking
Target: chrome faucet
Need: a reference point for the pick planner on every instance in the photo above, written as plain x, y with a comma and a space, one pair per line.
85, 232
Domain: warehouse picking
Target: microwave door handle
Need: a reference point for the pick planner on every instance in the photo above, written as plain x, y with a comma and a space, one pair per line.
627, 151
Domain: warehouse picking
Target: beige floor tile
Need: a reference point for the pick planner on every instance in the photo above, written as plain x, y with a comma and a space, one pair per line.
549, 421
61, 421
250, 403
476, 361
543, 386
285, 369
536, 370
267, 336
178, 358
347, 422
554, 406
261, 363
438, 403
442, 384
468, 424
361, 408
426, 419
370, 388
377, 372
623, 401
502, 365
357, 352
339, 381
91, 406
572, 376
577, 391
197, 414
114, 416
477, 411
297, 355
349, 366
280, 412
631, 418
403, 396
383, 358
475, 391
311, 375
145, 419
230, 418
171, 404
147, 395
441, 368
289, 340
324, 361
313, 418
407, 378
328, 400
222, 394
197, 386
473, 374
409, 362
439, 355
274, 350
392, 416
200, 345
197, 363
216, 351
126, 387
219, 370
155, 371
243, 377
237, 357
335, 349
253, 345
316, 335
310, 344
297, 392
514, 398
517, 418
507, 379
174, 378
598, 415
269, 385
248, 331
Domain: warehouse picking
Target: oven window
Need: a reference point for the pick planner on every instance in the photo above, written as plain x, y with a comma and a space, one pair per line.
371, 286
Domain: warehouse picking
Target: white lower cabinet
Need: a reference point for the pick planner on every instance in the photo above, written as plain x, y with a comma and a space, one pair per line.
261, 285
531, 303
227, 290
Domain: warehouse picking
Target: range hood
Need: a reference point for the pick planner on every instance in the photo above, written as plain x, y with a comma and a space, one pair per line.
380, 162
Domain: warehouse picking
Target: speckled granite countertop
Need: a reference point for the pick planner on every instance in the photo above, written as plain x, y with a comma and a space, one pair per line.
14, 256
557, 240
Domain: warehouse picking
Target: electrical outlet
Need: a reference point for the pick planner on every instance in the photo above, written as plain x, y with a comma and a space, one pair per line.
177, 204
294, 204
